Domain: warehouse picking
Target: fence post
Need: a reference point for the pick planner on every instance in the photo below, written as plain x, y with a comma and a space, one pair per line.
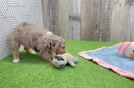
60, 18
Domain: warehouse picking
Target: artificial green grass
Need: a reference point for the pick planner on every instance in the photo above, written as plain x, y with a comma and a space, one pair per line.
33, 72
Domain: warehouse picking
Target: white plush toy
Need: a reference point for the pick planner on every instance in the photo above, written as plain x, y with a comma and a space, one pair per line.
58, 61
127, 49
63, 59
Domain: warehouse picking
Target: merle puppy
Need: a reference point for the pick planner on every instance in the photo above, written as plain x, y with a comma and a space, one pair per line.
43, 42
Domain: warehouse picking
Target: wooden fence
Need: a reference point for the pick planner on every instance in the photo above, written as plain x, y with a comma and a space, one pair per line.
100, 20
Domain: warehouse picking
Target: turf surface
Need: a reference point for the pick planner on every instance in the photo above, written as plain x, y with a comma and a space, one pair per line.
33, 72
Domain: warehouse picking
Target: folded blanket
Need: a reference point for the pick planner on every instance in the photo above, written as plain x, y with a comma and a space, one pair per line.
109, 57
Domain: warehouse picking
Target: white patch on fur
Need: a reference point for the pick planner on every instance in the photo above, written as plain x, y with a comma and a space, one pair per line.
49, 33
33, 52
21, 48
16, 60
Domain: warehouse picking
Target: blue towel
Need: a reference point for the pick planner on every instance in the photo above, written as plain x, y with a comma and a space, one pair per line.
111, 56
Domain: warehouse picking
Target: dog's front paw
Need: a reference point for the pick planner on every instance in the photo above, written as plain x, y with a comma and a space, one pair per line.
33, 52
16, 60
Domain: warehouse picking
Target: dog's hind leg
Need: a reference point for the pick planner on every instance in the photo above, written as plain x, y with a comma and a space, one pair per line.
15, 52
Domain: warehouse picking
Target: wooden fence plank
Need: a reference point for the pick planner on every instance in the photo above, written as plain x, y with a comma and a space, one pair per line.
90, 13
129, 20
74, 18
46, 13
117, 24
60, 18
105, 20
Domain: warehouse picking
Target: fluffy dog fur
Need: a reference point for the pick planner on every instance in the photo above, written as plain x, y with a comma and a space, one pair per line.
31, 37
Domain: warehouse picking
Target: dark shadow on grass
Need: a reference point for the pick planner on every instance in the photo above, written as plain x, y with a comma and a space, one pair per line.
31, 58
35, 59
27, 58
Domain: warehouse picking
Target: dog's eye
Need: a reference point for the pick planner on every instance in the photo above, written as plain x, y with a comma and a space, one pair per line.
63, 47
133, 50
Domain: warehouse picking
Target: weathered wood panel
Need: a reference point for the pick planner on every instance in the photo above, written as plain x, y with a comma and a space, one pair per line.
60, 18
53, 5
129, 20
101, 20
74, 26
123, 20
96, 19
90, 14
74, 18
118, 16
105, 19
46, 13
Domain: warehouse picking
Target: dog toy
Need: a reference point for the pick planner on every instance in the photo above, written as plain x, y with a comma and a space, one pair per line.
127, 49
59, 61
63, 59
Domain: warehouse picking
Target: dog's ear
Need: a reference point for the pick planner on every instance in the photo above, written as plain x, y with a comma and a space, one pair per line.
55, 44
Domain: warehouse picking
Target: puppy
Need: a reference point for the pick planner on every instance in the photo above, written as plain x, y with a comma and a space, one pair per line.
43, 42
